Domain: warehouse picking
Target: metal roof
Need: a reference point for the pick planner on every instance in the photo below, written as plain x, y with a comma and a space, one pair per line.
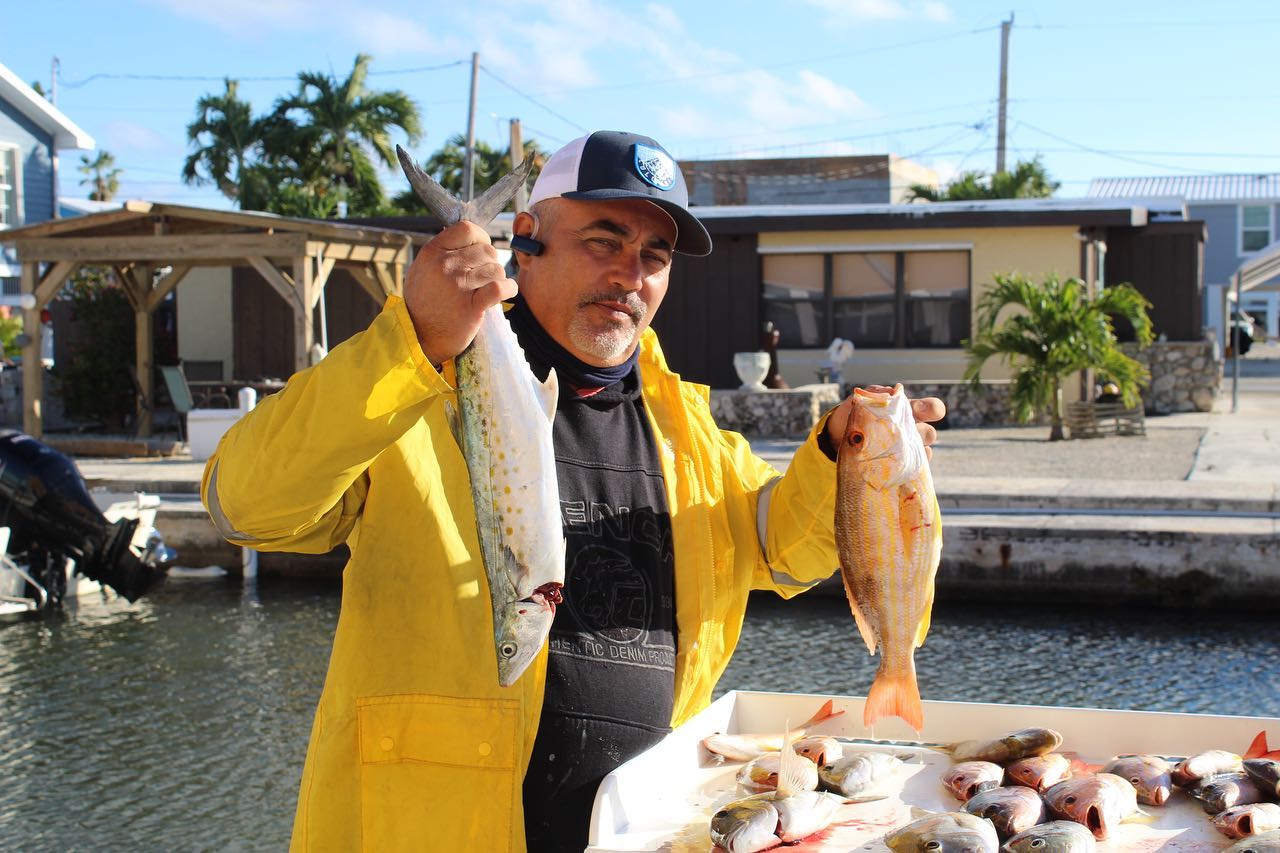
926, 209
66, 134
1192, 188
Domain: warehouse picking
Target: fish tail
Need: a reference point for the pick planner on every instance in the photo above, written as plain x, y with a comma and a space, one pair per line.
894, 693
824, 713
1259, 747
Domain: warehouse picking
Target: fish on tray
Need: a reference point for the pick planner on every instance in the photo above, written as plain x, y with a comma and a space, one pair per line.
889, 536
1150, 775
1056, 836
1099, 802
969, 778
1039, 772
761, 773
1265, 842
503, 426
945, 832
1010, 810
1005, 749
857, 772
744, 747
1251, 819
788, 814
1219, 793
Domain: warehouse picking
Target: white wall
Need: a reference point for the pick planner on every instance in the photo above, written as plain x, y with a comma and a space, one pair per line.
204, 317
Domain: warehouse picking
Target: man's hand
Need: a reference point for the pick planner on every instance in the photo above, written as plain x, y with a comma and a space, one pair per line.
449, 285
925, 410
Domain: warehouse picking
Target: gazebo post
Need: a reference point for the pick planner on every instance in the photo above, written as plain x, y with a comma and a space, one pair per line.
32, 366
144, 348
303, 327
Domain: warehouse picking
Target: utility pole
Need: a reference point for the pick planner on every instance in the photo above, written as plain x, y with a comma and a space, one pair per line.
517, 157
469, 163
1005, 26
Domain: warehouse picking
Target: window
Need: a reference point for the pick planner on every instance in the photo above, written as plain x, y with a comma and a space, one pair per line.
1255, 227
878, 300
9, 211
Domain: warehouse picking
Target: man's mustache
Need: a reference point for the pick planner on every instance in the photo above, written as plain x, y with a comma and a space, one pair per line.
634, 304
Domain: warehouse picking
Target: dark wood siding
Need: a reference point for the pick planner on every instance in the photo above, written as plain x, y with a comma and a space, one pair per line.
1165, 262
263, 321
711, 311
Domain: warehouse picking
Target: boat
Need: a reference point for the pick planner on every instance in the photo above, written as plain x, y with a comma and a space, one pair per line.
59, 541
663, 799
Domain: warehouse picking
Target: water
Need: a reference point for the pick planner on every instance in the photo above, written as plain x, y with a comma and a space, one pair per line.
181, 722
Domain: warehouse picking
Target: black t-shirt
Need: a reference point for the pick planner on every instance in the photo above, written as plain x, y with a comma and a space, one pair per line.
611, 669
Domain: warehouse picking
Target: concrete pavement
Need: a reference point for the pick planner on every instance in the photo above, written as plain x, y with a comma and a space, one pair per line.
1212, 535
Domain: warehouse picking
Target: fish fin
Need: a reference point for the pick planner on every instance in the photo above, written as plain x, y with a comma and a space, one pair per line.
864, 627
483, 210
894, 694
438, 200
865, 798
1259, 747
1080, 767
549, 393
822, 715
791, 775
455, 422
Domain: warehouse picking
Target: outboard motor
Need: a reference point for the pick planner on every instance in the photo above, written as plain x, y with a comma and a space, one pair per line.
44, 503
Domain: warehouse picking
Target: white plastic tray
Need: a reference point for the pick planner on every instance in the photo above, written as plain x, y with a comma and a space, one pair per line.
663, 799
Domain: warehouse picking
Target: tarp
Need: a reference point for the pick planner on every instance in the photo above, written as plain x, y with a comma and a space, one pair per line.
1261, 268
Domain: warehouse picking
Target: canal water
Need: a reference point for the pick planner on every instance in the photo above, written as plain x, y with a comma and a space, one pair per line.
180, 722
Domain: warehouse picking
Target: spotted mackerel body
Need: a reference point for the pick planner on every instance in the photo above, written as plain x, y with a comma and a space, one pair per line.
503, 425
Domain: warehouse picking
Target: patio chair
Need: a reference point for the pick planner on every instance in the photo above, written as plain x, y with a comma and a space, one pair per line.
175, 382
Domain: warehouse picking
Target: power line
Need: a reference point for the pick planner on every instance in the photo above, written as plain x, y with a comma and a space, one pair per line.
1110, 154
205, 78
534, 101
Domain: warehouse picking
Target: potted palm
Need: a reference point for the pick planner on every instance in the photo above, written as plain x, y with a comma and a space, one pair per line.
1055, 329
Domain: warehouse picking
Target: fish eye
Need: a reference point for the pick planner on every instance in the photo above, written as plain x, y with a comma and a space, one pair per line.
507, 650
857, 438
1070, 800
1135, 780
1037, 843
933, 845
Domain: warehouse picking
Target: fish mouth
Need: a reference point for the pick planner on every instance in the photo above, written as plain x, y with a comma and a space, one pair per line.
1245, 825
1094, 822
1159, 796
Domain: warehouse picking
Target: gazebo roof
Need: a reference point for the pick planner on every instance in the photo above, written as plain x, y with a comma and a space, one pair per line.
141, 218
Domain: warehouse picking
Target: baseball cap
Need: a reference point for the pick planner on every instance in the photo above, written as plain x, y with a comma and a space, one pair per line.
612, 164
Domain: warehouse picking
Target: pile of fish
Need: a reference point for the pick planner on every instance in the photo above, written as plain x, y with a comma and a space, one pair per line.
1017, 792
1019, 782
889, 536
797, 782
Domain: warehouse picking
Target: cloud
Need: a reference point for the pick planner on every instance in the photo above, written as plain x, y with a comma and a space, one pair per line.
884, 10
122, 137
384, 33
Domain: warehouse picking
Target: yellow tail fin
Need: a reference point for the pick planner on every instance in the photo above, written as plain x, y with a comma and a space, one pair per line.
894, 694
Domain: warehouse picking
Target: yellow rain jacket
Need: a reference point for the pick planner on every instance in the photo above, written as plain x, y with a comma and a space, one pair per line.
414, 744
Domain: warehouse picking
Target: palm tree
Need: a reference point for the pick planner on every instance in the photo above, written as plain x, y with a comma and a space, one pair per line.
102, 175
226, 135
1029, 179
330, 126
1058, 330
447, 164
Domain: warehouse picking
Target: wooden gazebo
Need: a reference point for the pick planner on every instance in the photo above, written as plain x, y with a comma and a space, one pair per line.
294, 256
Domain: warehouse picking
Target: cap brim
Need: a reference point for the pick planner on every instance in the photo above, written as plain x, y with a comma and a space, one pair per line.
691, 235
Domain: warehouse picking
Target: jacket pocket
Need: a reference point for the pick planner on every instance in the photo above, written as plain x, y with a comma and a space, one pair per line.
438, 773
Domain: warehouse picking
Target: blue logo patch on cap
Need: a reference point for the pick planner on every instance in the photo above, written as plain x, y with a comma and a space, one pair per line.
655, 166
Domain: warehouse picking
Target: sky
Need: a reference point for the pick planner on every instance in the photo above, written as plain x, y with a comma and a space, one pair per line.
1097, 89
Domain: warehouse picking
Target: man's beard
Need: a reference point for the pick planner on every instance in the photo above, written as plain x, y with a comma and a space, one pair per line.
614, 340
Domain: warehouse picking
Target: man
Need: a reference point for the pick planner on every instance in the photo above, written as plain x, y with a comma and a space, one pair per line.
669, 523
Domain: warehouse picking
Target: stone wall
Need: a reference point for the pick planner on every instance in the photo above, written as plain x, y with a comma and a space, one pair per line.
967, 406
783, 413
1186, 376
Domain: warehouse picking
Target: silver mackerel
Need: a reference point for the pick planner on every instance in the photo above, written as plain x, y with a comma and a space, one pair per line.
503, 426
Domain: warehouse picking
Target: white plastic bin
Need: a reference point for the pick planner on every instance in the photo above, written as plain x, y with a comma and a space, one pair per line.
205, 428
